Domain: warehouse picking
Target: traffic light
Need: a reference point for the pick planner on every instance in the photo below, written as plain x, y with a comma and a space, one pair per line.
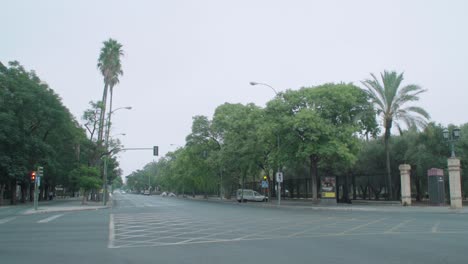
40, 171
265, 178
155, 150
33, 176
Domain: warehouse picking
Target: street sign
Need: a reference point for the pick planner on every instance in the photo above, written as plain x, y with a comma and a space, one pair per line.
264, 184
279, 177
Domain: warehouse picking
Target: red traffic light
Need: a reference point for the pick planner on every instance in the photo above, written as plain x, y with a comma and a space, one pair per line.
33, 176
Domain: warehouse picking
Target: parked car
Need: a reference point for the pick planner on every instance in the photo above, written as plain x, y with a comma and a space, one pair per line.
147, 192
250, 195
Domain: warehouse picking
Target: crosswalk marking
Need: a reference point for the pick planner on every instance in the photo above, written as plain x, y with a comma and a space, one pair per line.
393, 229
435, 228
5, 220
48, 219
361, 226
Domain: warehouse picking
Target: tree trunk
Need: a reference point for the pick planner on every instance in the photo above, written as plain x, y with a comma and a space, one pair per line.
85, 195
102, 114
354, 186
363, 191
314, 176
346, 189
13, 192
23, 192
2, 191
388, 127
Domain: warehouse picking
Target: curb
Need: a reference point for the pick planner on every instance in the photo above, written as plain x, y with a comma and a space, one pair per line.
385, 208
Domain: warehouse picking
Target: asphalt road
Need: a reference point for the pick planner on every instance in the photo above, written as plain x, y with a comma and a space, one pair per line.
150, 229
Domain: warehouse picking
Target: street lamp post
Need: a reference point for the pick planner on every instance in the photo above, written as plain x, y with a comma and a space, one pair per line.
277, 139
106, 157
454, 171
451, 138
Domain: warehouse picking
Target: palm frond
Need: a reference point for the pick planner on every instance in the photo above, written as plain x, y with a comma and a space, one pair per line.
419, 110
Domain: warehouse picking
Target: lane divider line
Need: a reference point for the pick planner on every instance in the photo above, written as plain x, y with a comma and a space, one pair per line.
48, 219
5, 220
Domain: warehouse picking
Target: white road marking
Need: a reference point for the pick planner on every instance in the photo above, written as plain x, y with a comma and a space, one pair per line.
361, 226
5, 220
111, 232
435, 228
391, 230
48, 219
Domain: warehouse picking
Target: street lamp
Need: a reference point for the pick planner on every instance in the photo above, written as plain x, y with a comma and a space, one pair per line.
278, 142
451, 138
264, 84
106, 145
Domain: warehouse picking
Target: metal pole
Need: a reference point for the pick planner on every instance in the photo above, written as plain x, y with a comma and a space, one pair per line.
36, 195
105, 182
453, 150
106, 145
279, 193
279, 169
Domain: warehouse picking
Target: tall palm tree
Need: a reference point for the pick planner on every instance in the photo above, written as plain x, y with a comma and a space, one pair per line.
391, 102
111, 68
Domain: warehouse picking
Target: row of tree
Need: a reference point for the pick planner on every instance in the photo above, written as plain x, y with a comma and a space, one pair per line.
38, 130
329, 129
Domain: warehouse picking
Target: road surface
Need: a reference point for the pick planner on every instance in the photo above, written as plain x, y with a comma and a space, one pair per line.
153, 229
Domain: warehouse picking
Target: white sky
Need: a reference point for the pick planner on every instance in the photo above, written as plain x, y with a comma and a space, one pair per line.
184, 58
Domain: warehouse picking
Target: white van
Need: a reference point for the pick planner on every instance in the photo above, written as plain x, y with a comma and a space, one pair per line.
250, 195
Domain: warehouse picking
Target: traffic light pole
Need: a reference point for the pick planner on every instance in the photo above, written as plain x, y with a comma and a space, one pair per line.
36, 194
37, 182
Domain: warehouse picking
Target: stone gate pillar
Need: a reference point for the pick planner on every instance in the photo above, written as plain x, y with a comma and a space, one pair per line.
405, 184
454, 183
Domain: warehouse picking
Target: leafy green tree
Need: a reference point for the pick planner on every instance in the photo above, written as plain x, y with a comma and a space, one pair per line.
320, 126
36, 130
87, 179
391, 100
241, 153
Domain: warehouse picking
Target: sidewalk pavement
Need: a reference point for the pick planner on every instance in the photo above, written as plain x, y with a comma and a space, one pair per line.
363, 206
56, 205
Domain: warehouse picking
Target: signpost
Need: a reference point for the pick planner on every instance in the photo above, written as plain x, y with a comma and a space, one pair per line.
37, 183
279, 180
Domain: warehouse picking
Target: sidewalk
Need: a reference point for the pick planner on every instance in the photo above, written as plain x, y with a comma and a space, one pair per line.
56, 205
363, 206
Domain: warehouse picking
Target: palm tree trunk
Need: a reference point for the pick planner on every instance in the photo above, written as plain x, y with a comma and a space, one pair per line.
388, 127
110, 114
102, 115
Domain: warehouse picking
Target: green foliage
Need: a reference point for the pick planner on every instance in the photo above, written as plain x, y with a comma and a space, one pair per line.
391, 101
109, 64
240, 143
36, 129
86, 178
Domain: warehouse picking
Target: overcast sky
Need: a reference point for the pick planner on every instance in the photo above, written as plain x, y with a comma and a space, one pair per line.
185, 58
